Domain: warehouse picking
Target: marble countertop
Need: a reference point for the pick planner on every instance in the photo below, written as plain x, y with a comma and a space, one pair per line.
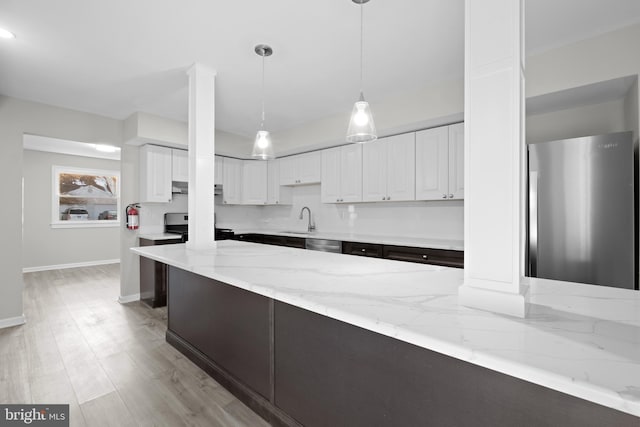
578, 339
159, 236
417, 242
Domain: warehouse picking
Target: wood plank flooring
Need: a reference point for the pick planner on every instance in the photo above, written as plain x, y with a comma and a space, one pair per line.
109, 361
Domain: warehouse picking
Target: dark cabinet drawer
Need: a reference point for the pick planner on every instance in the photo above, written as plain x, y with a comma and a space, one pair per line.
270, 239
255, 238
362, 249
447, 258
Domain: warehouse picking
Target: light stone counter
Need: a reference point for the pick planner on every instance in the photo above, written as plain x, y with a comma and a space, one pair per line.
159, 236
578, 339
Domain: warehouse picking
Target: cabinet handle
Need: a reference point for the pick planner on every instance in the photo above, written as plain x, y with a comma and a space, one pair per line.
444, 196
225, 201
451, 196
388, 197
277, 202
424, 257
384, 198
363, 250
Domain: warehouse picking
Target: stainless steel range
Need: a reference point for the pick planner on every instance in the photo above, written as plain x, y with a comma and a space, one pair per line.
178, 223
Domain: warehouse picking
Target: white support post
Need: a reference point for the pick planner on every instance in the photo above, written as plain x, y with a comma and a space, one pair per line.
494, 157
201, 156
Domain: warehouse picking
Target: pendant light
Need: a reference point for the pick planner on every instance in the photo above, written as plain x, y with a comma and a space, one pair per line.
361, 126
263, 147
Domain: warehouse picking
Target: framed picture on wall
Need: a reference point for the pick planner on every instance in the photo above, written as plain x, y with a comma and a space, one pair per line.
85, 197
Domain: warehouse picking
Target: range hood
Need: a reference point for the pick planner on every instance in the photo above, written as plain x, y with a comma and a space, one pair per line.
181, 187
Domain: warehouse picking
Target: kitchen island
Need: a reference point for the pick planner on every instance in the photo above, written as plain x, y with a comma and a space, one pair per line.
332, 338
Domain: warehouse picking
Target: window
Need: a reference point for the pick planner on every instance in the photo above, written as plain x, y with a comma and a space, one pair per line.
85, 198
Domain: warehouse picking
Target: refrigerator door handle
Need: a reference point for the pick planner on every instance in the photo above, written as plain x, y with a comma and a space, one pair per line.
533, 224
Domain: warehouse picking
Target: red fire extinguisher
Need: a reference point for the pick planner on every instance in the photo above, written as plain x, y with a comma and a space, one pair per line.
132, 216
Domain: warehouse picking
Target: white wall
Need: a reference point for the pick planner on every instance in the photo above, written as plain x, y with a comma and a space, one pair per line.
433, 219
18, 117
596, 119
44, 246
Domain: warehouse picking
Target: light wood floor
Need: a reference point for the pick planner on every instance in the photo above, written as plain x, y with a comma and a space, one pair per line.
108, 361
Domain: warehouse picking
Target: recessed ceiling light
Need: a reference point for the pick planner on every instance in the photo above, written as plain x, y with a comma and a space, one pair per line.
6, 34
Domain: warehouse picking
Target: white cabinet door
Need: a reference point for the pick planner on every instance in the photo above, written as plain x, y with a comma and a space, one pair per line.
309, 167
432, 164
232, 181
218, 170
179, 165
456, 161
276, 195
254, 182
155, 174
301, 169
350, 173
288, 170
331, 165
401, 181
374, 171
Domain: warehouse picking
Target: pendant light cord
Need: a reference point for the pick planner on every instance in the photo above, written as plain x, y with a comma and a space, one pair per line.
262, 123
361, 43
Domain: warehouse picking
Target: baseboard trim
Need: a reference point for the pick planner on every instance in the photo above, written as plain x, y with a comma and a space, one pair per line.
12, 321
71, 265
123, 299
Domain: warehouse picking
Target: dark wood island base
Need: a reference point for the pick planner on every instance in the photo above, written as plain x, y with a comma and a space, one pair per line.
294, 367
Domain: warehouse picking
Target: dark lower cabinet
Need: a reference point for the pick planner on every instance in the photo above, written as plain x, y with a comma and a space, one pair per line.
153, 276
270, 239
295, 367
330, 373
447, 258
228, 325
362, 249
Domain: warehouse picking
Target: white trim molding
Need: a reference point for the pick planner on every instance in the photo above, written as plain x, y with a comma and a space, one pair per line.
71, 265
123, 299
12, 321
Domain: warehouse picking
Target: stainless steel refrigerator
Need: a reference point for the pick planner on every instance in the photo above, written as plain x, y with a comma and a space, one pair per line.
581, 210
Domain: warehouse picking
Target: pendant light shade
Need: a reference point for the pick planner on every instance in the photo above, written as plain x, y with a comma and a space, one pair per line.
361, 126
262, 146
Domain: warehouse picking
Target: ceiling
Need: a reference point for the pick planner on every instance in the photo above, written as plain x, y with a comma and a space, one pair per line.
119, 56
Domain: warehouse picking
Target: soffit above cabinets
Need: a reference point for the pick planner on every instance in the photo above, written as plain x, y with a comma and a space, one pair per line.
580, 96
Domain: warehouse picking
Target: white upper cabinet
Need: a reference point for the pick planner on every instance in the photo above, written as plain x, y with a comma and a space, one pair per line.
254, 182
432, 163
218, 170
301, 169
155, 174
342, 174
276, 195
388, 169
440, 163
179, 165
231, 181
456, 161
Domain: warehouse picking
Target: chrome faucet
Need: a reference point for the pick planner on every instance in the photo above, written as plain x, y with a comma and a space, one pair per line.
311, 226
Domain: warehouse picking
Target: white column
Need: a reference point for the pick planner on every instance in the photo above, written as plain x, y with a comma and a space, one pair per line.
494, 157
201, 156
